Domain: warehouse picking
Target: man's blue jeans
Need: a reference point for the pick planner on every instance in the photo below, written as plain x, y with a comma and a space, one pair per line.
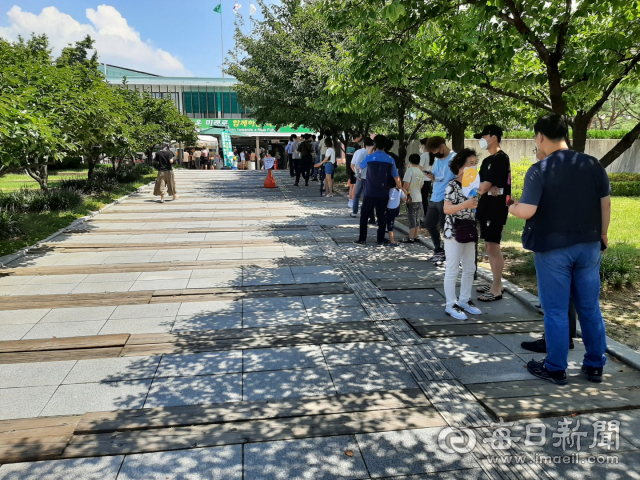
564, 273
356, 198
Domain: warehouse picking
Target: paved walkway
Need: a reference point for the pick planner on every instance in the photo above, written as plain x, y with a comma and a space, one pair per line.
238, 333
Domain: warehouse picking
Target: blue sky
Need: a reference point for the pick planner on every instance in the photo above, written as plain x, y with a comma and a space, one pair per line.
168, 37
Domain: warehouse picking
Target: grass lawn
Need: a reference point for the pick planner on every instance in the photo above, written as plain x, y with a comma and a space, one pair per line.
37, 226
16, 181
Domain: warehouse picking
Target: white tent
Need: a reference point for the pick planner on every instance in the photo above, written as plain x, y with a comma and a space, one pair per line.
207, 141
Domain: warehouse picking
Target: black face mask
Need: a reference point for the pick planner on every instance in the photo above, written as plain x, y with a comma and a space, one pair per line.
438, 155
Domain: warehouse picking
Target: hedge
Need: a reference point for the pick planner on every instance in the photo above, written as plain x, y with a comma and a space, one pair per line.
624, 177
625, 189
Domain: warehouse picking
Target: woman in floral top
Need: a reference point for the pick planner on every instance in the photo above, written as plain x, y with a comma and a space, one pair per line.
458, 209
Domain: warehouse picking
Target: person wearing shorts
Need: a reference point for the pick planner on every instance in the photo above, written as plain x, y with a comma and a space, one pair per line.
412, 186
495, 188
396, 195
352, 147
329, 163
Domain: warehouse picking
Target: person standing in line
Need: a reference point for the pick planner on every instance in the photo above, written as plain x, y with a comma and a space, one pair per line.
495, 188
185, 158
292, 171
426, 162
306, 160
242, 159
165, 180
329, 163
295, 143
460, 237
196, 159
361, 175
380, 167
396, 195
566, 202
413, 182
204, 155
313, 172
351, 150
440, 177
252, 158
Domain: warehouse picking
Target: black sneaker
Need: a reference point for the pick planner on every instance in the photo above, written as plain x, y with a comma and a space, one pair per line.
594, 374
386, 240
296, 185
539, 369
373, 222
362, 243
436, 257
540, 345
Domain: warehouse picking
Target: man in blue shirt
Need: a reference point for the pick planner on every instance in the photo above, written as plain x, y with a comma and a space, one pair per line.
440, 176
566, 202
380, 169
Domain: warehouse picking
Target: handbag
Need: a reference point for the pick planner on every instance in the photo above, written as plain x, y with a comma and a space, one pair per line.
466, 230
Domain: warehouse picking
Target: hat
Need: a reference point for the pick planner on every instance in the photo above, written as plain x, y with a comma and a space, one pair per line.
489, 130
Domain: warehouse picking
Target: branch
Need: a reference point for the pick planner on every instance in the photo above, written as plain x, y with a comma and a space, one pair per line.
562, 31
517, 96
524, 30
622, 146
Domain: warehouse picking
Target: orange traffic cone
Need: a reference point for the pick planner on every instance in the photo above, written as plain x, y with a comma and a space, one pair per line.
269, 182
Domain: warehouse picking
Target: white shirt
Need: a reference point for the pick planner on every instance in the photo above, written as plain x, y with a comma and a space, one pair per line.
204, 153
358, 156
331, 153
424, 162
242, 156
395, 195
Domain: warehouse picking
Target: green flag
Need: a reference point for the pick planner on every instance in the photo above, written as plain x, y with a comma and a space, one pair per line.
218, 9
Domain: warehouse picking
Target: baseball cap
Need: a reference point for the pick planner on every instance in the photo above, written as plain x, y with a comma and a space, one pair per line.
489, 130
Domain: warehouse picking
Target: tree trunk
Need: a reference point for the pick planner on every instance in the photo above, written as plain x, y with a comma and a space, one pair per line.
456, 129
402, 144
91, 161
623, 145
40, 174
580, 126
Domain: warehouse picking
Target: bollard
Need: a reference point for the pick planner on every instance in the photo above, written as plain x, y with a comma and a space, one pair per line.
269, 182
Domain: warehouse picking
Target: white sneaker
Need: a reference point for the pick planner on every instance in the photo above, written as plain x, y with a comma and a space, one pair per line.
470, 307
456, 312
350, 204
353, 215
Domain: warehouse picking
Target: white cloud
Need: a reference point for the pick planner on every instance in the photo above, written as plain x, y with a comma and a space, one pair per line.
116, 41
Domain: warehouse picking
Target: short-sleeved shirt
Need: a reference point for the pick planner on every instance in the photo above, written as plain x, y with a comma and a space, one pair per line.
331, 153
395, 195
294, 149
204, 153
442, 176
355, 162
415, 178
380, 167
163, 157
496, 169
424, 161
453, 193
197, 154
567, 187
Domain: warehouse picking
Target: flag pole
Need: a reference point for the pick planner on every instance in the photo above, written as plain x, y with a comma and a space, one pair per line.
221, 43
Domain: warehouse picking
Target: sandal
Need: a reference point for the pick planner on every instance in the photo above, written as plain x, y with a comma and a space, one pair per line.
407, 240
489, 297
485, 289
394, 244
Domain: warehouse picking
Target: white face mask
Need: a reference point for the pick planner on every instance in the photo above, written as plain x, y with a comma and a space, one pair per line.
483, 144
421, 149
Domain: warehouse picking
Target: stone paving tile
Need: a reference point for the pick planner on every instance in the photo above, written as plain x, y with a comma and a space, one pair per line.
308, 458
429, 295
217, 463
56, 279
250, 280
18, 317
80, 398
125, 260
307, 382
309, 269
210, 363
168, 275
55, 289
133, 253
78, 314
407, 452
186, 323
217, 273
112, 370
98, 468
172, 284
213, 282
369, 378
123, 312
34, 374
278, 303
24, 402
15, 280
205, 255
138, 325
330, 301
105, 287
489, 368
318, 278
64, 329
174, 391
338, 314
275, 317
14, 332
465, 347
513, 340
210, 308
283, 358
360, 353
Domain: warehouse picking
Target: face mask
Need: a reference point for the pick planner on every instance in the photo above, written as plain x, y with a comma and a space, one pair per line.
421, 149
483, 144
439, 155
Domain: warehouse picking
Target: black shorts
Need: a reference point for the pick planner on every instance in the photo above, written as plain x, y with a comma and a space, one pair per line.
491, 230
392, 213
352, 176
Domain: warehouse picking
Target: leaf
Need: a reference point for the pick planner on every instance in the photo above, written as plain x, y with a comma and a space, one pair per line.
349, 453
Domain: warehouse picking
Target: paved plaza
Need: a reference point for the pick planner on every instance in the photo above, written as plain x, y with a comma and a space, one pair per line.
238, 333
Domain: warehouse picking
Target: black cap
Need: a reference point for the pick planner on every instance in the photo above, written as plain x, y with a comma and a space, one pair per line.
489, 130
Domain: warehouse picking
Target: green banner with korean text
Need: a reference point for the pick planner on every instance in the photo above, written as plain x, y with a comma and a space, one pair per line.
245, 125
227, 149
